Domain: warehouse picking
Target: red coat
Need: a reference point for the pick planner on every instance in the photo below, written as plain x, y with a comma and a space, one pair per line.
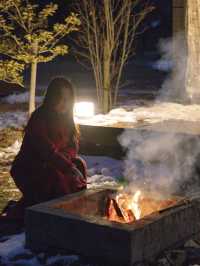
45, 166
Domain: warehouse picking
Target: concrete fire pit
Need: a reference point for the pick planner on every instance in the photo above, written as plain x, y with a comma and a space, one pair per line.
77, 223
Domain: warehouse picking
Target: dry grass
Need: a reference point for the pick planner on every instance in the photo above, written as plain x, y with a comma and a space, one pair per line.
8, 189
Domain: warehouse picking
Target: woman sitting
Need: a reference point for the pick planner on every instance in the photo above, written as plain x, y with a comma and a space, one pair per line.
47, 165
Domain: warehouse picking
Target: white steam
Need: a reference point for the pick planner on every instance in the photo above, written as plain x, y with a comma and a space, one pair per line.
164, 161
174, 50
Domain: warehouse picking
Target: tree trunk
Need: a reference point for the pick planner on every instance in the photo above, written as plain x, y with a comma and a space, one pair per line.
33, 80
32, 87
193, 44
106, 78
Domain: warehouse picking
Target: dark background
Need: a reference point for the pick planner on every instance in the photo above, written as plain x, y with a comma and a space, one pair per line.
158, 22
138, 71
158, 26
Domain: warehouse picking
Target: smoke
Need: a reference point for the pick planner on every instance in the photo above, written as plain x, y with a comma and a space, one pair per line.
174, 50
161, 162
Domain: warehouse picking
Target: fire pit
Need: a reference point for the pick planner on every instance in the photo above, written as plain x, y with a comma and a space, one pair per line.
116, 227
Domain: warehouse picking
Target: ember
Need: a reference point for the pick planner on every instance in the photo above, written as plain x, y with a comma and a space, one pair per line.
126, 208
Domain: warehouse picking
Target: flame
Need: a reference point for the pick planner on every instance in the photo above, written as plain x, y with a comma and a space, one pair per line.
135, 207
123, 204
127, 208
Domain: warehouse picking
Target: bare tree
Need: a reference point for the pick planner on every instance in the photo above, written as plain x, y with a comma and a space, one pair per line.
107, 39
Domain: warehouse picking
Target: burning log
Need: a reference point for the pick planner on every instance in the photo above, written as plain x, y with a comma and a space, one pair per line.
117, 213
126, 208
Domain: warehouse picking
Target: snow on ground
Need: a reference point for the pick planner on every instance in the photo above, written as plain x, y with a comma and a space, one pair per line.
104, 165
13, 252
12, 247
15, 119
101, 170
20, 98
157, 112
131, 113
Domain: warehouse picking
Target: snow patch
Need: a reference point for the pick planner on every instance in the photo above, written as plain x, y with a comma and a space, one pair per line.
115, 116
15, 119
13, 252
100, 181
102, 165
11, 248
130, 115
61, 259
20, 98
154, 113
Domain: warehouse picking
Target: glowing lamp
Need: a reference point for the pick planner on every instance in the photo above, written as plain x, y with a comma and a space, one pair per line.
84, 109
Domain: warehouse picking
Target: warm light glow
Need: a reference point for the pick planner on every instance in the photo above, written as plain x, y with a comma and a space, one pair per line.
127, 207
129, 203
84, 109
135, 205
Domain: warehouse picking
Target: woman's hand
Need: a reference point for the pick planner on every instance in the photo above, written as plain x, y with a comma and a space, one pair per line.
79, 182
77, 173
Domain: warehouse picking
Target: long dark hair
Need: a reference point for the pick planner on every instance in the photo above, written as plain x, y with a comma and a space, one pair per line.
52, 98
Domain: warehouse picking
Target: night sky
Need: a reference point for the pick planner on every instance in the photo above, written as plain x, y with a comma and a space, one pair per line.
159, 22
